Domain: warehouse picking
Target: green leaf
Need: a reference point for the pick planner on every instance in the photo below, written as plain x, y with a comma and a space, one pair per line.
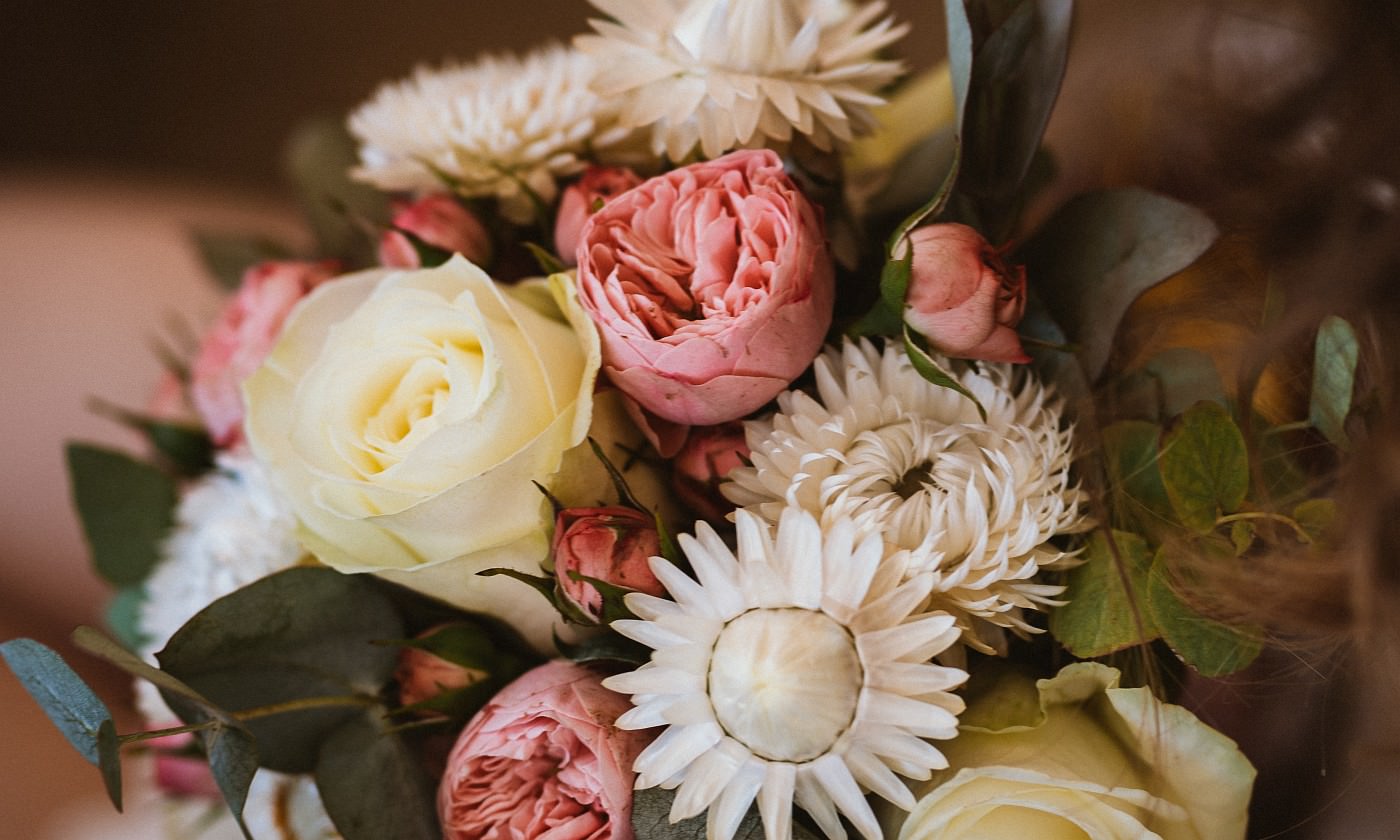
61, 693
460, 644
1139, 498
894, 281
931, 370
109, 761
1093, 258
429, 255
1205, 466
126, 508
94, 642
880, 320
605, 646
123, 616
1334, 378
1241, 535
651, 820
549, 588
301, 633
227, 255
373, 786
344, 214
1315, 516
183, 446
548, 263
233, 760
1212, 648
1107, 598
1052, 356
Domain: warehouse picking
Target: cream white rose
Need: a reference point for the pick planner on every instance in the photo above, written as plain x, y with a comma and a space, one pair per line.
405, 416
1077, 758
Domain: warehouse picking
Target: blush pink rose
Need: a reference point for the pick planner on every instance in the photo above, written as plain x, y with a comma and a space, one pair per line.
179, 773
438, 220
706, 458
612, 544
596, 187
711, 287
422, 675
963, 297
543, 760
239, 341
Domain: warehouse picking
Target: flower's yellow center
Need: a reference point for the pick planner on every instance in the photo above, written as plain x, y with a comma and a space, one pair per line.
785, 682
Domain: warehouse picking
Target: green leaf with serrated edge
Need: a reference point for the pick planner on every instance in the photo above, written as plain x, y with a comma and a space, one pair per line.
1098, 252
373, 785
934, 372
1135, 482
126, 508
301, 633
651, 820
1205, 466
123, 616
1334, 378
894, 281
603, 647
1212, 648
109, 761
1241, 536
1107, 594
226, 256
233, 761
1315, 516
61, 693
344, 214
548, 263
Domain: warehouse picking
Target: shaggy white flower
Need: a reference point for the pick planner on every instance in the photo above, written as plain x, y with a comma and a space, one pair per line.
788, 673
722, 74
971, 501
504, 126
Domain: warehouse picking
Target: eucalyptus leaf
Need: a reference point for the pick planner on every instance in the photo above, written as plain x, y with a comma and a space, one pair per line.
373, 785
1334, 378
61, 693
1052, 356
1107, 594
226, 256
109, 761
123, 616
94, 642
343, 213
1093, 258
1205, 466
651, 820
301, 633
126, 508
233, 761
1212, 648
603, 647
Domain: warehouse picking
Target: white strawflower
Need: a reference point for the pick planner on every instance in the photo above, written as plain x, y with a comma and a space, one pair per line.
788, 673
973, 502
721, 74
279, 807
502, 126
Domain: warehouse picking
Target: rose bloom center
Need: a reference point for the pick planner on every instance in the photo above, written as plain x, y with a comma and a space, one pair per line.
785, 682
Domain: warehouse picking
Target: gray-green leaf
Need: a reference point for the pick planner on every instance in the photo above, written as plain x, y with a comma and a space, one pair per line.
651, 820
1334, 377
373, 786
61, 693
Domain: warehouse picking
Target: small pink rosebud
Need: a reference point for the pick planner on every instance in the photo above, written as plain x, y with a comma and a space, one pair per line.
611, 544
179, 774
583, 198
422, 675
439, 220
963, 297
708, 455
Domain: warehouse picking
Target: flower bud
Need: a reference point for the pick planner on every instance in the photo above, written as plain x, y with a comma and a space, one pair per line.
611, 544
179, 774
422, 675
582, 199
438, 220
963, 297
708, 455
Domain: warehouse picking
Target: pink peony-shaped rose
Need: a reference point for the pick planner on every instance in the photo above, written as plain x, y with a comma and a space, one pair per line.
543, 760
711, 286
706, 458
239, 341
596, 187
438, 220
613, 544
963, 297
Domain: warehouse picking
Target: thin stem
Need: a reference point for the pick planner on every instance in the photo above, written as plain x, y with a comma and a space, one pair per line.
133, 737
1303, 535
304, 703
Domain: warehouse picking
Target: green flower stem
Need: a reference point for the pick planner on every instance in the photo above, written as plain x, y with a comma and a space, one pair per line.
304, 703
134, 737
1273, 517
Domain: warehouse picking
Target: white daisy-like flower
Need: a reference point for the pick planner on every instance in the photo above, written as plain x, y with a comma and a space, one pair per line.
973, 502
279, 807
722, 74
788, 673
503, 126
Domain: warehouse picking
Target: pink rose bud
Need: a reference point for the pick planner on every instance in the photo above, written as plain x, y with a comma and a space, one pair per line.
242, 337
711, 287
611, 544
182, 775
963, 297
583, 198
543, 759
708, 455
422, 675
438, 220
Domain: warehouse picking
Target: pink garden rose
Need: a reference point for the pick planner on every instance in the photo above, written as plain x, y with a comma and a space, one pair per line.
706, 458
711, 287
612, 544
963, 297
239, 341
597, 186
543, 759
439, 220
422, 675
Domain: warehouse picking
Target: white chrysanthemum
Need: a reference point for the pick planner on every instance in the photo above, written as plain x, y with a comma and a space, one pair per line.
502, 126
972, 501
231, 528
788, 673
720, 75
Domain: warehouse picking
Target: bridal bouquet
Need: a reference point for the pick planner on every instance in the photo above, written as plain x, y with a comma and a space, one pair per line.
682, 433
